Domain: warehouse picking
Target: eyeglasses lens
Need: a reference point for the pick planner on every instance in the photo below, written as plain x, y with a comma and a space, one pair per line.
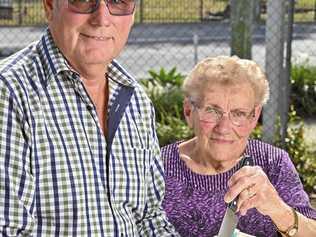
83, 6
237, 118
116, 7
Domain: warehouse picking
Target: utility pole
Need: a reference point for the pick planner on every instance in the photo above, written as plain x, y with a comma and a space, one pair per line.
242, 20
274, 66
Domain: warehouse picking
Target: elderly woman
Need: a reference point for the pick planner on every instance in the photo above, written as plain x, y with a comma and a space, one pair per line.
223, 100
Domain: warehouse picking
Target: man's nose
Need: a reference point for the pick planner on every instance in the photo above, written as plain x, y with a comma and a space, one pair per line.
102, 14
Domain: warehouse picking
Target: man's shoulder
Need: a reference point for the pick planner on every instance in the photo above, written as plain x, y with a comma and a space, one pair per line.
123, 78
139, 89
18, 65
22, 75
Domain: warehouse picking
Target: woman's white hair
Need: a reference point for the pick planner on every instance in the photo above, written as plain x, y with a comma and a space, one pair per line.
226, 70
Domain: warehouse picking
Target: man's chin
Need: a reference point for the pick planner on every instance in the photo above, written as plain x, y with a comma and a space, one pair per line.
96, 56
96, 61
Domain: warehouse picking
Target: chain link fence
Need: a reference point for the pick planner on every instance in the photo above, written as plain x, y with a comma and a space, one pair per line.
179, 33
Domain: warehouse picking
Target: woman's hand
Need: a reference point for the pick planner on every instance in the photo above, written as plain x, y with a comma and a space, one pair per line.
254, 190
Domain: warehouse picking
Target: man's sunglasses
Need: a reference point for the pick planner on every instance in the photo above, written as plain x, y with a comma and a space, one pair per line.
116, 7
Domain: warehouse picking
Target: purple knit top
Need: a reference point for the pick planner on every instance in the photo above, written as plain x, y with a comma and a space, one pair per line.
195, 204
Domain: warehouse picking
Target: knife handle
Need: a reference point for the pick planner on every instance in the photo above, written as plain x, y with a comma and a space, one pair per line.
246, 160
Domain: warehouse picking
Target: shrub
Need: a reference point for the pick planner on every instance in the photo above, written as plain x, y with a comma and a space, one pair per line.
303, 159
303, 92
164, 89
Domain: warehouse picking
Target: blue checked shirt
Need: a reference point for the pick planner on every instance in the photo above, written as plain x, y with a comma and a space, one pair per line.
53, 154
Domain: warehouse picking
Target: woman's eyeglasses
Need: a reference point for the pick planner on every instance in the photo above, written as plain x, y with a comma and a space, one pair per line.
116, 7
213, 115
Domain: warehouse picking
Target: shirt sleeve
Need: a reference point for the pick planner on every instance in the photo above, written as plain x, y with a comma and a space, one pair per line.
290, 187
17, 186
154, 222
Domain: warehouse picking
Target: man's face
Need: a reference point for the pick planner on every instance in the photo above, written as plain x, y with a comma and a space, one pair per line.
87, 39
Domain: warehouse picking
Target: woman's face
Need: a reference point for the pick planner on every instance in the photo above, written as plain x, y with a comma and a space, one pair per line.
225, 137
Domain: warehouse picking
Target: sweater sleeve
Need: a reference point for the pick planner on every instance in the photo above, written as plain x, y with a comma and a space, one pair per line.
286, 180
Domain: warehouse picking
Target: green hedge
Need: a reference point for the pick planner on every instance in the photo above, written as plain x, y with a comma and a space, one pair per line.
303, 91
164, 89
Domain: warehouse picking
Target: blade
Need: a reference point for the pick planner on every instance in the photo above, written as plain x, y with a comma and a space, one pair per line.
229, 224
230, 220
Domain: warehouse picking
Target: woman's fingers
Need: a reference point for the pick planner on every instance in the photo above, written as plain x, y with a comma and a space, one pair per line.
243, 172
253, 189
251, 202
248, 184
241, 180
245, 199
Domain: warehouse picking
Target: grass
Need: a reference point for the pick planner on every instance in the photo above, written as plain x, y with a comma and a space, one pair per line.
150, 11
306, 3
177, 11
305, 16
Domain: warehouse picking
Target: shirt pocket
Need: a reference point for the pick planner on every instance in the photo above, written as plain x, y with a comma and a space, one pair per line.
129, 175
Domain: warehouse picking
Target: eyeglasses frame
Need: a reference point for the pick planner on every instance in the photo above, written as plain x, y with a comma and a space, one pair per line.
250, 117
106, 3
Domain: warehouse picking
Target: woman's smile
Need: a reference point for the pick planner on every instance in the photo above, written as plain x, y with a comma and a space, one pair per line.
222, 140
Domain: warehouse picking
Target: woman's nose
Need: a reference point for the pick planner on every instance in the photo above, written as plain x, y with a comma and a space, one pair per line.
223, 124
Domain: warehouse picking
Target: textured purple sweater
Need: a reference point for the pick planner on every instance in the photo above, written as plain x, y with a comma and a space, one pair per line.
195, 204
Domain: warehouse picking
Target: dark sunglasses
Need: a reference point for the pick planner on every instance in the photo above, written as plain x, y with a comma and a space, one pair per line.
116, 7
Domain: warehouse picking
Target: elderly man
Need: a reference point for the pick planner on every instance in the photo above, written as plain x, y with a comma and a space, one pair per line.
78, 150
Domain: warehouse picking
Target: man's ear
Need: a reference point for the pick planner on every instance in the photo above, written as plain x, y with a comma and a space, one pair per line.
48, 8
187, 110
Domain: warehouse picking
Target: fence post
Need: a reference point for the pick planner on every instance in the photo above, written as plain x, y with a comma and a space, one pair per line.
257, 10
201, 10
141, 11
274, 65
242, 18
20, 12
196, 44
315, 10
286, 80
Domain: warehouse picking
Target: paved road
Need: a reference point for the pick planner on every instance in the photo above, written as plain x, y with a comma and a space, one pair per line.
152, 46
